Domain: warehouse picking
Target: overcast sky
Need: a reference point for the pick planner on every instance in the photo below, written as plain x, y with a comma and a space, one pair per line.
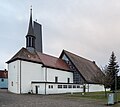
88, 28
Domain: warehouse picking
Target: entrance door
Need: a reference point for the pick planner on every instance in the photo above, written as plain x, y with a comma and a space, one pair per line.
36, 89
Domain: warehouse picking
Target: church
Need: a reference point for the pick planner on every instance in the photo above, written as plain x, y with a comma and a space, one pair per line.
32, 71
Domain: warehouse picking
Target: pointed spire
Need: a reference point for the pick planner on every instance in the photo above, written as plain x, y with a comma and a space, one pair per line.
30, 29
30, 37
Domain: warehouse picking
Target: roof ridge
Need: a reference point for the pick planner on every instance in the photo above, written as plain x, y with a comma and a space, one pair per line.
48, 55
78, 56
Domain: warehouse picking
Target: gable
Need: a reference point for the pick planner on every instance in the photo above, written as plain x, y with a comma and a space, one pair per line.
88, 69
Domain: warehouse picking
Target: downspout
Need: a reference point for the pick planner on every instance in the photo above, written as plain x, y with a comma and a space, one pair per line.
88, 87
45, 79
20, 76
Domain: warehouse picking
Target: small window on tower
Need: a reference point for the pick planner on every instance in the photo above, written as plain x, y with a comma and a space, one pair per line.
33, 43
29, 41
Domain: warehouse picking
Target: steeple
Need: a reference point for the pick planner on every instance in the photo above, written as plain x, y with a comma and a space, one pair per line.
30, 30
30, 37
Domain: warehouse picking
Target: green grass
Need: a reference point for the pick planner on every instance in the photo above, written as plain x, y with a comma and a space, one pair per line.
96, 96
93, 95
90, 95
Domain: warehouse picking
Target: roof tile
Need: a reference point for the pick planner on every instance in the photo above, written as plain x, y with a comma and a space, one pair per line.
39, 57
88, 69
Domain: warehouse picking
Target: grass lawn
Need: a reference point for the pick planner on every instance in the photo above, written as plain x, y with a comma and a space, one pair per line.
89, 95
93, 95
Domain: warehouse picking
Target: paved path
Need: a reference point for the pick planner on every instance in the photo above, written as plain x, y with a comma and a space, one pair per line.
14, 100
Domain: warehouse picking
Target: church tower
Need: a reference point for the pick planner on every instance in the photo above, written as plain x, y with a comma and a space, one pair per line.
30, 37
38, 35
34, 36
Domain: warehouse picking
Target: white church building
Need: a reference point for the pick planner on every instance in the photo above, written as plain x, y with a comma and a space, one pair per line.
32, 71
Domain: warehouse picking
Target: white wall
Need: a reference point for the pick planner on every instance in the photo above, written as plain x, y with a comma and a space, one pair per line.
50, 77
62, 75
55, 89
30, 72
94, 87
41, 89
13, 76
34, 72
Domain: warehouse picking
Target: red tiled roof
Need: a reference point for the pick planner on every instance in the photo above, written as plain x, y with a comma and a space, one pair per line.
3, 74
51, 61
24, 54
37, 57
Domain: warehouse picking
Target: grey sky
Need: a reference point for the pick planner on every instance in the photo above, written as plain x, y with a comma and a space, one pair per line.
89, 28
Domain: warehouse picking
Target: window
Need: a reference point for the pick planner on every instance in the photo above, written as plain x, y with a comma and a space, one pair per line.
56, 79
74, 86
2, 80
64, 86
78, 86
59, 86
69, 86
29, 42
12, 83
32, 42
68, 80
50, 86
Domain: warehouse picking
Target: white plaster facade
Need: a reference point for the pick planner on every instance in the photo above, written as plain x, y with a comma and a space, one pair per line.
24, 77
94, 87
22, 73
53, 88
14, 77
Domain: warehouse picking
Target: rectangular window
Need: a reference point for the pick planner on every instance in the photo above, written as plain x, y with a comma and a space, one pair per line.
12, 83
69, 86
56, 79
74, 86
50, 86
64, 86
59, 86
68, 80
29, 41
78, 86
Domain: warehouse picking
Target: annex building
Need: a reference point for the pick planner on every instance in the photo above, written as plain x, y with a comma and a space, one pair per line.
32, 71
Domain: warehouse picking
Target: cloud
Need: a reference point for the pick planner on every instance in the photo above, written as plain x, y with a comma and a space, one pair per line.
89, 28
